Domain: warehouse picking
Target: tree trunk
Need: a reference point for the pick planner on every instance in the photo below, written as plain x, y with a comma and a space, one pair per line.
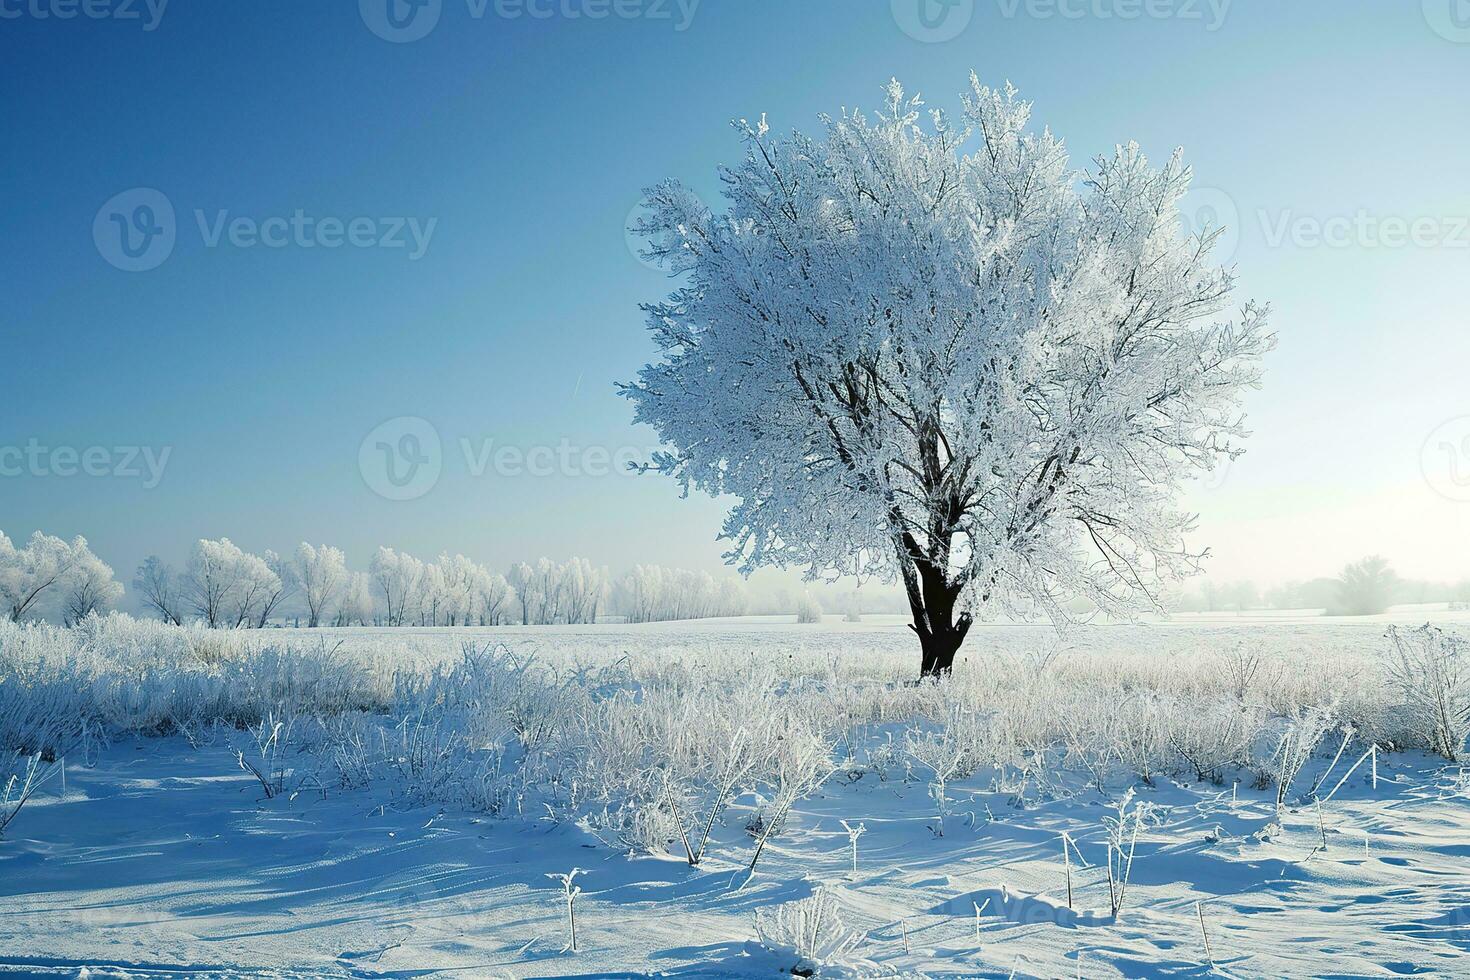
932, 601
939, 643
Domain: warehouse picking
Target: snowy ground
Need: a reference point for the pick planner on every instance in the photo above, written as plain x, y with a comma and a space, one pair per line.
163, 859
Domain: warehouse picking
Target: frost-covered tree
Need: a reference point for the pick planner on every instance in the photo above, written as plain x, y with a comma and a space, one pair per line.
457, 577
637, 594
808, 609
931, 349
732, 599
254, 584
523, 580
322, 574
230, 587
583, 588
211, 579
398, 578
493, 599
426, 601
1365, 588
89, 589
160, 588
356, 604
277, 590
54, 578
648, 593
546, 588
32, 575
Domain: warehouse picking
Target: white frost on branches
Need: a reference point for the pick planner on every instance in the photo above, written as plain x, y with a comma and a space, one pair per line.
985, 370
322, 572
50, 574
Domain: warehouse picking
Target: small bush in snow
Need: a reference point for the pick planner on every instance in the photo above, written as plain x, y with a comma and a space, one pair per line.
1431, 672
808, 610
809, 934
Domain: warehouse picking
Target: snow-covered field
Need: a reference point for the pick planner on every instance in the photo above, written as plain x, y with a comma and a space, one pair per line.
415, 789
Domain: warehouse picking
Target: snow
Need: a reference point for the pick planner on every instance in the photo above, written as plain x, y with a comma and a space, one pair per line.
159, 857
164, 858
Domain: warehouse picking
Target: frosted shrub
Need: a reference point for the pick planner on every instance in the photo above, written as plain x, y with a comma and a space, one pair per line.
1430, 672
262, 753
20, 777
458, 733
655, 746
117, 674
807, 935
731, 774
1241, 669
1210, 738
1143, 735
1294, 741
808, 610
1092, 736
941, 758
801, 765
1122, 829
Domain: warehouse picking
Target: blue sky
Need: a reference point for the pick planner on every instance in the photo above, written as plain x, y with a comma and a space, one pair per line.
526, 141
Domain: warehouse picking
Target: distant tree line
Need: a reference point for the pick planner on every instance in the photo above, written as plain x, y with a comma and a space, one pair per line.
223, 586
1363, 588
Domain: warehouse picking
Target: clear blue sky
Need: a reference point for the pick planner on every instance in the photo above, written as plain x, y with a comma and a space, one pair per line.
528, 140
